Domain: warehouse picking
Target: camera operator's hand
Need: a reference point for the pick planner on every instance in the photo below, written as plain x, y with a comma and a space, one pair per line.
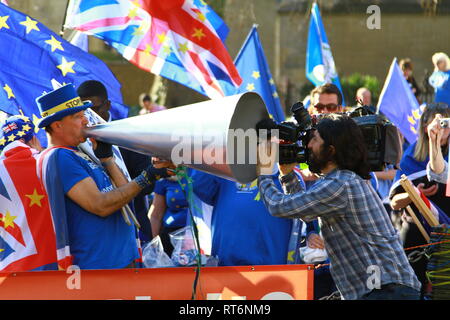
266, 155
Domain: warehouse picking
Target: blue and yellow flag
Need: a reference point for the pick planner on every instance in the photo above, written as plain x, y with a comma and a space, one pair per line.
32, 55
398, 103
320, 67
254, 70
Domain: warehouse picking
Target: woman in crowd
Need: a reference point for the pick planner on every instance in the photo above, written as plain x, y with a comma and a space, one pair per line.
440, 78
168, 211
413, 165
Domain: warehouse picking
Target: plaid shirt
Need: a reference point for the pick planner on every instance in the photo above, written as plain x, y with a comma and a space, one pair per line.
357, 231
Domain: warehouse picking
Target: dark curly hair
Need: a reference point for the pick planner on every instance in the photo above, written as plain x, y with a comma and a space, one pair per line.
341, 132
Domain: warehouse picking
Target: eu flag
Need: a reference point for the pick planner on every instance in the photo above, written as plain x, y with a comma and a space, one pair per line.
320, 67
398, 103
32, 55
254, 70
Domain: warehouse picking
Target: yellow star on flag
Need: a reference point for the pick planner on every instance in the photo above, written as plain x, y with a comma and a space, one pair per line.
1, 250
275, 94
26, 127
411, 120
250, 87
3, 23
198, 33
9, 91
20, 134
256, 74
11, 138
8, 220
35, 122
291, 255
416, 114
167, 50
2, 141
133, 13
148, 49
161, 37
55, 44
30, 25
183, 47
138, 31
271, 81
66, 66
201, 16
35, 198
203, 2
413, 129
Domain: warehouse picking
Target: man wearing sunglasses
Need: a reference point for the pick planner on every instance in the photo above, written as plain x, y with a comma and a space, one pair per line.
326, 99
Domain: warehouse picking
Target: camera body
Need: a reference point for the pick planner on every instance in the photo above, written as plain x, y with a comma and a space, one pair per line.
294, 138
380, 136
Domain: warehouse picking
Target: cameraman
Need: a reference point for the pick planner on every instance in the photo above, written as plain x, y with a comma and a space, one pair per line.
366, 255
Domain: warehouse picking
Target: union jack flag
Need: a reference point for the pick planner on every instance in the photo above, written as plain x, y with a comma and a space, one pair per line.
177, 39
29, 237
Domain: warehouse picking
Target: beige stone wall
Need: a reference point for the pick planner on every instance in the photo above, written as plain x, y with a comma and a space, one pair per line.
357, 49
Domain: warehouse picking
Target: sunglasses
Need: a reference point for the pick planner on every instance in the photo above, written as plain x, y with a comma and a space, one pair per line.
330, 107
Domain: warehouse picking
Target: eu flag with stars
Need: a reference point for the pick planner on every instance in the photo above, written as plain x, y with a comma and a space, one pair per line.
32, 55
320, 67
398, 103
254, 70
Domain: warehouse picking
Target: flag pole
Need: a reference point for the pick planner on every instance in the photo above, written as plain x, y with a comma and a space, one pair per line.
61, 33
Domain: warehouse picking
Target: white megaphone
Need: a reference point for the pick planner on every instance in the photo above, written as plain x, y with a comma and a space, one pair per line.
216, 136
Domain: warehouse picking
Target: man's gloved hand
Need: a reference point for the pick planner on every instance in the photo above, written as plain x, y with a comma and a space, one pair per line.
149, 175
103, 150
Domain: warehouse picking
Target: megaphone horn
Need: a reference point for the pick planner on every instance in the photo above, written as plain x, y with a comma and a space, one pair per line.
216, 136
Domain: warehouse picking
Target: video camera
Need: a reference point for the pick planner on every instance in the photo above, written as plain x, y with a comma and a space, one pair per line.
381, 136
293, 137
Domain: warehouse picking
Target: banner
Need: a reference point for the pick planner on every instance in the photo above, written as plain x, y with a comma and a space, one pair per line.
281, 282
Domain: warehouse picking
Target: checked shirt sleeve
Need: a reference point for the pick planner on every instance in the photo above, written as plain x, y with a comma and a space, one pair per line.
327, 197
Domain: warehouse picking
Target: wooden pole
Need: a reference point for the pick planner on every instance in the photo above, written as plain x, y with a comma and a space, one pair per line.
421, 206
418, 224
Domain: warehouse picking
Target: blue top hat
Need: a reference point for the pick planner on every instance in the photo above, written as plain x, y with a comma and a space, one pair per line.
59, 103
16, 128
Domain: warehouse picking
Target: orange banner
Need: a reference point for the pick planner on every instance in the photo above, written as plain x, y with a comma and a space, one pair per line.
226, 283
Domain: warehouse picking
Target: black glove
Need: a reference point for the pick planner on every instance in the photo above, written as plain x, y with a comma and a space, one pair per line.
103, 150
150, 175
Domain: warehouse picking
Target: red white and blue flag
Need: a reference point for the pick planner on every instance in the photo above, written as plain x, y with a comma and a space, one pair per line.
181, 40
29, 237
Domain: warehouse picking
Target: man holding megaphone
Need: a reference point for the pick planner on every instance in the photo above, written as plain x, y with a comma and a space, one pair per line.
99, 237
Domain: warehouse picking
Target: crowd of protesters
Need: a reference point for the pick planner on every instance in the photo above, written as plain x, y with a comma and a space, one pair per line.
345, 218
